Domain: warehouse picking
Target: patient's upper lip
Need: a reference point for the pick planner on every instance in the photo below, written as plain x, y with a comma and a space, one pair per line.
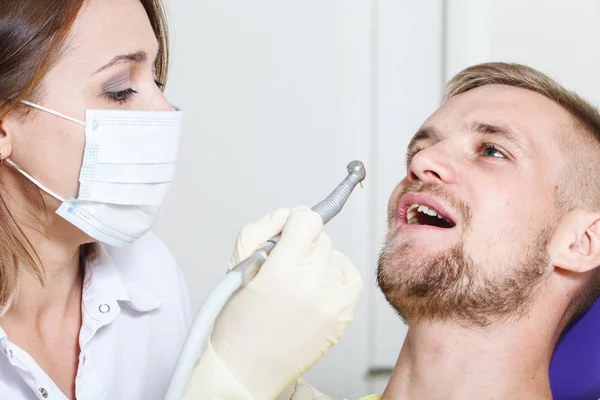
425, 199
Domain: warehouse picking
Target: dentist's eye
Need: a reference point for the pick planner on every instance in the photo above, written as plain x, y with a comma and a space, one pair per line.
121, 96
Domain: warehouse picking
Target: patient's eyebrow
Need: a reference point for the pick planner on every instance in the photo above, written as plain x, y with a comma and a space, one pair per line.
424, 133
477, 127
502, 131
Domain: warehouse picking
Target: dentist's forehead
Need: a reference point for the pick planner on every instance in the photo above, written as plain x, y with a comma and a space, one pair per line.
106, 28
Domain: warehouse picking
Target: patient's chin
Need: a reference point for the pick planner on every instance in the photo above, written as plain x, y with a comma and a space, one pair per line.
422, 285
448, 286
416, 252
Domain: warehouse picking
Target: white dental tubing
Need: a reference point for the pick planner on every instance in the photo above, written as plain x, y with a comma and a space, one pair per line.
239, 277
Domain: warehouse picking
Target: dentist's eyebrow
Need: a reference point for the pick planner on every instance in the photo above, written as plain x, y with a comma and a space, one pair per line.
138, 57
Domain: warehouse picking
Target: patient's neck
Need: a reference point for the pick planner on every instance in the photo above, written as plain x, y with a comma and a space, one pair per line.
444, 360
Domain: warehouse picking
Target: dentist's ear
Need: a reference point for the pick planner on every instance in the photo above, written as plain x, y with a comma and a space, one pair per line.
575, 245
7, 127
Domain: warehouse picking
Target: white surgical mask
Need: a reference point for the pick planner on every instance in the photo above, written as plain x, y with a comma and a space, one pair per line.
128, 165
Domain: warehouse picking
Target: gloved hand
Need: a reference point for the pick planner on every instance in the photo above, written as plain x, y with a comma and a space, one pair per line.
302, 390
283, 322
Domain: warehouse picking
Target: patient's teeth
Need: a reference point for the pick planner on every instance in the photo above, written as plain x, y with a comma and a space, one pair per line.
427, 210
410, 216
411, 213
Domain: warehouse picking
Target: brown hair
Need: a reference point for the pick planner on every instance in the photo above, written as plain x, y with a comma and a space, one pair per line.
33, 34
577, 190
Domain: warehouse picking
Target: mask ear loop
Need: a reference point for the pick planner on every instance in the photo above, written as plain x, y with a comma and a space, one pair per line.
25, 174
30, 104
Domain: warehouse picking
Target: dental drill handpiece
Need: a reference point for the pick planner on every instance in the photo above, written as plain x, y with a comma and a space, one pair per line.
327, 209
240, 276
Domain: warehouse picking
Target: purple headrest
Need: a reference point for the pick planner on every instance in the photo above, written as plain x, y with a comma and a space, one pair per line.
575, 367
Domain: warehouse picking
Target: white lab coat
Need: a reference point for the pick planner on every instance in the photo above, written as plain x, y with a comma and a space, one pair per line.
136, 314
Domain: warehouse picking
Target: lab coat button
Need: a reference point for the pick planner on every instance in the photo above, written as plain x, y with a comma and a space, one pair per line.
104, 308
44, 393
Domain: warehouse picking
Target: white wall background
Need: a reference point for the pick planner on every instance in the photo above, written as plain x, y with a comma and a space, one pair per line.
281, 95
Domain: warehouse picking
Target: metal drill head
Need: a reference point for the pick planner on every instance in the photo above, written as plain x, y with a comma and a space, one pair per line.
358, 168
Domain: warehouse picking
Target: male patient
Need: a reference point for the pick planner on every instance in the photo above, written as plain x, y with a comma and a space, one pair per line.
494, 236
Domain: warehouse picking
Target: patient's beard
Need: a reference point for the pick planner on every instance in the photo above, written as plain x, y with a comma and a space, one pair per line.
449, 286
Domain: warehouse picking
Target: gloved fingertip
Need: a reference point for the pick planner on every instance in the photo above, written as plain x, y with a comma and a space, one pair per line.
300, 233
280, 216
302, 228
300, 208
254, 235
268, 226
307, 218
276, 215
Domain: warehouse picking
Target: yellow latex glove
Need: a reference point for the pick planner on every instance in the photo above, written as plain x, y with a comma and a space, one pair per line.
302, 390
283, 322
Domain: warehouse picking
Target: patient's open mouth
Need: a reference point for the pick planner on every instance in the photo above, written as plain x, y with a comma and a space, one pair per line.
420, 214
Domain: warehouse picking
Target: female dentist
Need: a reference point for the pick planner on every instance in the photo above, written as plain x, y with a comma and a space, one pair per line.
93, 306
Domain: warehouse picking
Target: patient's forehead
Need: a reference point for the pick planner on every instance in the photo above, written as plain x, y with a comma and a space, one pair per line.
539, 122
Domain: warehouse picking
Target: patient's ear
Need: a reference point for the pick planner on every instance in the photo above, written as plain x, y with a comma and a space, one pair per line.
575, 245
